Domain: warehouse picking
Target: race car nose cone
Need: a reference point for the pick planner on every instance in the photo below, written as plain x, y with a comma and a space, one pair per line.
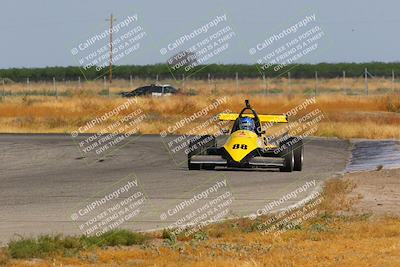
240, 144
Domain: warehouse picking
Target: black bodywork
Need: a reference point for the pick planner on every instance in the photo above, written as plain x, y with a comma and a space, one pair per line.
149, 90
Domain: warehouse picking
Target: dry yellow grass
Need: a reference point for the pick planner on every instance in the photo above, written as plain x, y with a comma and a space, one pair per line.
345, 116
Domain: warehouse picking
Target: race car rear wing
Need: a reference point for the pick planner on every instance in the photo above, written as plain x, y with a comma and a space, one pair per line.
263, 118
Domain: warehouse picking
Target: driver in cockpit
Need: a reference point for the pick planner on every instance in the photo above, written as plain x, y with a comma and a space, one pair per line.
247, 123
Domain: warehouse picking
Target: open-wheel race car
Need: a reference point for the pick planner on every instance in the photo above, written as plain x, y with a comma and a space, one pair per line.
248, 145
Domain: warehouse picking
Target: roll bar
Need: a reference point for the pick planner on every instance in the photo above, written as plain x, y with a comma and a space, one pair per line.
256, 118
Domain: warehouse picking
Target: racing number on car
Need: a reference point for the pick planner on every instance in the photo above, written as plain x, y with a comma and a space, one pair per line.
241, 146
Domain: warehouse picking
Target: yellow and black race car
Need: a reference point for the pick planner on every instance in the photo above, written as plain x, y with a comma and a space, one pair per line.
248, 145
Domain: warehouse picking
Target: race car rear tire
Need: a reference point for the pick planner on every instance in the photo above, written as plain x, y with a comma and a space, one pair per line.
298, 152
288, 157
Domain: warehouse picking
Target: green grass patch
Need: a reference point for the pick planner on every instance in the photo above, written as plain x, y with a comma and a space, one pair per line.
51, 245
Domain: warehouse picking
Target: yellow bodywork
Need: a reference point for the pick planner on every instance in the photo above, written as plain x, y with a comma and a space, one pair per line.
241, 143
263, 118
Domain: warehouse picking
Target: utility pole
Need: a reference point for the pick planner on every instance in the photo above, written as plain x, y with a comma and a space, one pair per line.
289, 84
111, 19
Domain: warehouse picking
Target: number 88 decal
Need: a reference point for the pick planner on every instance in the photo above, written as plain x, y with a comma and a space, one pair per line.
241, 146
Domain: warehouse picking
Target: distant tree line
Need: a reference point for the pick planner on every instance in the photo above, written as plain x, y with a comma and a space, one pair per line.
216, 71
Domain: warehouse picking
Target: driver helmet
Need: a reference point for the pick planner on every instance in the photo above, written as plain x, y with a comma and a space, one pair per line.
247, 124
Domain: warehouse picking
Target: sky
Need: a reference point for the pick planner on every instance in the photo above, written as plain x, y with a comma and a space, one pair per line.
44, 32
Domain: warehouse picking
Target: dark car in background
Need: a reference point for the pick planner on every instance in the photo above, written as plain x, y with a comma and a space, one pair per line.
152, 90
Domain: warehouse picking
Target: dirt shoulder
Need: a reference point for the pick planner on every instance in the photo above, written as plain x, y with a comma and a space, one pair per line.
378, 192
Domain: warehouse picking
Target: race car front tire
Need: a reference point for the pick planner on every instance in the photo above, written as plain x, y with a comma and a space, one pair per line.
208, 166
288, 157
193, 166
199, 147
